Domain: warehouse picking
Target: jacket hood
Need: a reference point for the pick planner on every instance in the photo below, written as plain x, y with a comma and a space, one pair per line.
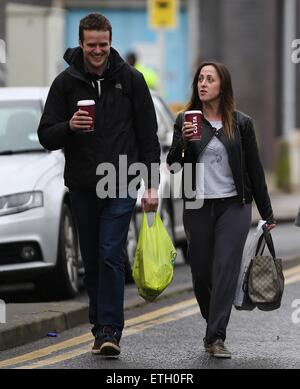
74, 57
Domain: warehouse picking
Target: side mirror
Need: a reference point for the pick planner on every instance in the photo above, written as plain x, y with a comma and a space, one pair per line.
165, 148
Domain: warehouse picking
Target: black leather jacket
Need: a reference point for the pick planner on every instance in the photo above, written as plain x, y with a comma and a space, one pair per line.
243, 156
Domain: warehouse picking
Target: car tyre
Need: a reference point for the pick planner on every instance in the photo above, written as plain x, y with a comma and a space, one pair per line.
167, 218
63, 280
131, 244
184, 248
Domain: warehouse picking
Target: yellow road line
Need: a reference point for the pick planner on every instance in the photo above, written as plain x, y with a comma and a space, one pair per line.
160, 312
165, 319
130, 331
47, 350
292, 270
87, 337
292, 275
57, 359
292, 279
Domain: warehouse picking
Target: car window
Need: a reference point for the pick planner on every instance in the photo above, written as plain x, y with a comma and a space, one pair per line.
19, 122
165, 111
164, 118
160, 125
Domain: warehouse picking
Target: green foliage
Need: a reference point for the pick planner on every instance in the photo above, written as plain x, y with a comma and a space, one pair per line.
283, 169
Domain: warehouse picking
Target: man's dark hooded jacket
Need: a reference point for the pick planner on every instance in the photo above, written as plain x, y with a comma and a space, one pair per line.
125, 119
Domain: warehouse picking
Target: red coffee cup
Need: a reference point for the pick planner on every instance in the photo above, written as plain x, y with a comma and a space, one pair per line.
90, 107
194, 117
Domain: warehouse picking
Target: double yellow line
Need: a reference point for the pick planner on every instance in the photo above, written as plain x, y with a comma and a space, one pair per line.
135, 325
292, 275
45, 356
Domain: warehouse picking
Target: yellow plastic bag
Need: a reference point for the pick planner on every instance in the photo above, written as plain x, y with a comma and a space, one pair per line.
154, 259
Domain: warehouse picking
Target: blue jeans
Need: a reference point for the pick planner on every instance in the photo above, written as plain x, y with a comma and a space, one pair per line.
103, 227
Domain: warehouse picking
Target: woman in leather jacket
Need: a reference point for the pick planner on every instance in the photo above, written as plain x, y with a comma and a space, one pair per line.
217, 212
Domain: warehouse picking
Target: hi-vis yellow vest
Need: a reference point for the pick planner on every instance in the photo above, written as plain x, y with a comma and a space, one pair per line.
149, 74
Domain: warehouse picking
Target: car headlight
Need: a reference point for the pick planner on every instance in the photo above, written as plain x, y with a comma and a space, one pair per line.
20, 202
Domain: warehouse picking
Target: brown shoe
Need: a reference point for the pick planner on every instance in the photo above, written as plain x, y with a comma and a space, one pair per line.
107, 343
206, 344
97, 346
218, 349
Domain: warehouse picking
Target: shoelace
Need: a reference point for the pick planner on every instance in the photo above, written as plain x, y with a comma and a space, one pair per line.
107, 333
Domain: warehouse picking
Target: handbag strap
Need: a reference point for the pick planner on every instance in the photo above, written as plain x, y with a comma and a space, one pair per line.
267, 238
261, 244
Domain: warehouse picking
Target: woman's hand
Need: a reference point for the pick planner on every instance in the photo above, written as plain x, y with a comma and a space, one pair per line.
270, 226
187, 130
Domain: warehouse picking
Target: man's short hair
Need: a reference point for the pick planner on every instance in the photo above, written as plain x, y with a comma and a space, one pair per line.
94, 21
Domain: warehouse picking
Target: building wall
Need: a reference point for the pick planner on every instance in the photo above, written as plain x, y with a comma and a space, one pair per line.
3, 4
244, 35
2, 19
36, 59
3, 27
2, 36
298, 72
131, 32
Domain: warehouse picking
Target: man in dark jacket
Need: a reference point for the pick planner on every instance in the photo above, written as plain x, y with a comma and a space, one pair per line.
125, 125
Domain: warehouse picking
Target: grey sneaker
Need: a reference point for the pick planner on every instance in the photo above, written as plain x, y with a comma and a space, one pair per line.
107, 343
218, 349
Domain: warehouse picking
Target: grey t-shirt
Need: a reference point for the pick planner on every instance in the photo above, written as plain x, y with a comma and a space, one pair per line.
214, 177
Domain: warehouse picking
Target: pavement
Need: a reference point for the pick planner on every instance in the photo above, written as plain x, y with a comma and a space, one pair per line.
26, 322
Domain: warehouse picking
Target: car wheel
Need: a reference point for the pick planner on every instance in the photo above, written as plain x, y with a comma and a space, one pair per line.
166, 217
63, 281
184, 248
130, 250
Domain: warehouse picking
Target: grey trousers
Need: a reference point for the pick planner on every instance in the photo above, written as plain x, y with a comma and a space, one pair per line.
216, 235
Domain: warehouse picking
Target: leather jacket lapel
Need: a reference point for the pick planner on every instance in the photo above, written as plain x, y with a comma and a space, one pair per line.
197, 147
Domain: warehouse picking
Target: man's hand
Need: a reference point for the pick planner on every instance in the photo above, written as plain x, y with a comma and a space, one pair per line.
80, 121
150, 200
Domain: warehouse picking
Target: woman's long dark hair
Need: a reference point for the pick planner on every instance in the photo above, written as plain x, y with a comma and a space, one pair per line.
227, 104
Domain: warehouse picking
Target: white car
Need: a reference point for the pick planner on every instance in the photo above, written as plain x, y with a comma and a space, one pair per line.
37, 235
38, 239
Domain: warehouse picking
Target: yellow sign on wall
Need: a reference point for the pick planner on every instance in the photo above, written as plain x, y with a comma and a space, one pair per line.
163, 13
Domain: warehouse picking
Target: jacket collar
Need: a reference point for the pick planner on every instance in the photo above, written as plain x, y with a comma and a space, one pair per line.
77, 69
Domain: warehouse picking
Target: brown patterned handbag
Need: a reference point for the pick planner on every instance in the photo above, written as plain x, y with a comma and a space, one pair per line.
266, 279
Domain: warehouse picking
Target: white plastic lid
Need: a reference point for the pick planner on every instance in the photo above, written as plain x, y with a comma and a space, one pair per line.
193, 112
83, 103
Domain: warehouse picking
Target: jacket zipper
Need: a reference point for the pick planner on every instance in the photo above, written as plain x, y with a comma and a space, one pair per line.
242, 167
243, 200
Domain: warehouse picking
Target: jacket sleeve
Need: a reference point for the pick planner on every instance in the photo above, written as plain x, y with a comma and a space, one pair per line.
54, 124
175, 154
256, 173
145, 124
